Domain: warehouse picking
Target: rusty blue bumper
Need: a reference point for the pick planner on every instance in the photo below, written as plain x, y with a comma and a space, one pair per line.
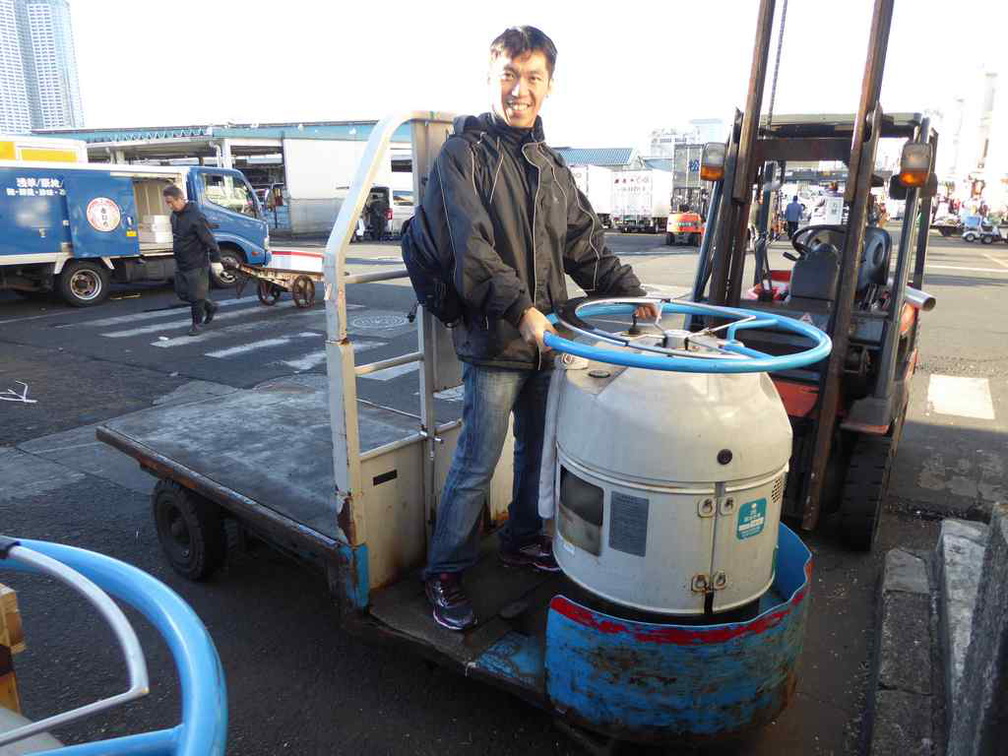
645, 681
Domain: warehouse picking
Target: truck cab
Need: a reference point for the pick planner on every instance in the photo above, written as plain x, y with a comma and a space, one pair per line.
76, 228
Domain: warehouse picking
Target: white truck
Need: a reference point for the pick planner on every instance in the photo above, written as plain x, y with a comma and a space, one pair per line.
641, 200
596, 183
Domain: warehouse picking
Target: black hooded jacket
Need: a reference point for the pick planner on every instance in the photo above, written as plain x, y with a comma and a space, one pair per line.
192, 240
507, 207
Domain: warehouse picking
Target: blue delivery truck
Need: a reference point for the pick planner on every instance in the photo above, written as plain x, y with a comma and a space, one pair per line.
75, 228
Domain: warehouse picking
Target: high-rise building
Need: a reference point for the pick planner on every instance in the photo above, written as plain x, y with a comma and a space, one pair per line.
38, 67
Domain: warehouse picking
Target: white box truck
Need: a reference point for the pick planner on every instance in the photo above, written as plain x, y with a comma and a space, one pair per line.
596, 183
641, 200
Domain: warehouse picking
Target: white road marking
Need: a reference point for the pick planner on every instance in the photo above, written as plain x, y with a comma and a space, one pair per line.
393, 372
186, 322
165, 313
993, 259
262, 344
314, 359
210, 333
960, 396
963, 267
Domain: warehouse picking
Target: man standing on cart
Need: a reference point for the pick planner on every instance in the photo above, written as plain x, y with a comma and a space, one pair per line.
508, 208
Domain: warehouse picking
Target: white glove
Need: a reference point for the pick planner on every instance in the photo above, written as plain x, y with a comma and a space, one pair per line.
217, 268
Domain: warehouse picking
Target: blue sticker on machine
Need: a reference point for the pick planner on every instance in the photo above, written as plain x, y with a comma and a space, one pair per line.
751, 519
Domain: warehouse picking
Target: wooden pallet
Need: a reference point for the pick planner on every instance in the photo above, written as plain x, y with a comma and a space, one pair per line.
11, 642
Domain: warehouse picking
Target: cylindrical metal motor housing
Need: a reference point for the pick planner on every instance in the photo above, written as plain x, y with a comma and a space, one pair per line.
669, 486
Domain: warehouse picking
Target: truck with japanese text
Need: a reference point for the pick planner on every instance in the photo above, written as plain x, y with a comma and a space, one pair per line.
74, 228
641, 200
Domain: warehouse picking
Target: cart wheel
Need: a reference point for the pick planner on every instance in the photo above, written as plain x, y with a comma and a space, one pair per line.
303, 291
986, 239
864, 490
268, 292
669, 240
189, 529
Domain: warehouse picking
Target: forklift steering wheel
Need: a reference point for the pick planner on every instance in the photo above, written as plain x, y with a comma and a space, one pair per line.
809, 232
685, 351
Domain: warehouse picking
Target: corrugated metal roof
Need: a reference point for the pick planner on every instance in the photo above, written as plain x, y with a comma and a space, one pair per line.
342, 130
607, 156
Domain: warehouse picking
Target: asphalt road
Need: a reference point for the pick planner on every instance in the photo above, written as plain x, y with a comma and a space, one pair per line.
296, 682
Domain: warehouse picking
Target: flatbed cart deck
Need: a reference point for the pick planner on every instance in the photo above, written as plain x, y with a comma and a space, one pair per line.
353, 488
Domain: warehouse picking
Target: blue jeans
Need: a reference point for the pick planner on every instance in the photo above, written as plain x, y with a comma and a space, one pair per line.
491, 394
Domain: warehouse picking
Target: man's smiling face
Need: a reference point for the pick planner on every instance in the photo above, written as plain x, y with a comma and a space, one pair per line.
518, 87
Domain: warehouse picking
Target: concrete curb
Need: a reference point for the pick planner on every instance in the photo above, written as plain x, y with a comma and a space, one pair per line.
979, 720
906, 701
959, 559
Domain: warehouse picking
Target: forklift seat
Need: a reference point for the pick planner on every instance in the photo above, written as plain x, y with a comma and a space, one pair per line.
815, 275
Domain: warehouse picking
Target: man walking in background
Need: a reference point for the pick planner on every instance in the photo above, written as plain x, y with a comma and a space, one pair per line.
792, 215
196, 252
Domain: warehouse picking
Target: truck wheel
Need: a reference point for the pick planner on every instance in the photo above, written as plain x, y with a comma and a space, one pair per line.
864, 489
669, 240
190, 530
83, 283
945, 231
695, 240
228, 277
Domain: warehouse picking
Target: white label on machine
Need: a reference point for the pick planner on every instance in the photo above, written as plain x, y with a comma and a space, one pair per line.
103, 214
628, 524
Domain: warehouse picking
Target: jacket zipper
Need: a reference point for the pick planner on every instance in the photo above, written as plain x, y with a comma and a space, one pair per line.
535, 209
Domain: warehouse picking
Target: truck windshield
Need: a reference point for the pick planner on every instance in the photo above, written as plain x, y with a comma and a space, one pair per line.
229, 192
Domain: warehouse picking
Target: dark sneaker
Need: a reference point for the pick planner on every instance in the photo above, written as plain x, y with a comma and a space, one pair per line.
451, 606
538, 554
194, 329
211, 310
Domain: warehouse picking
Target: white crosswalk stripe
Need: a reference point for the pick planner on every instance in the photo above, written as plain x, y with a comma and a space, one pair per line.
314, 359
262, 344
185, 323
303, 319
155, 314
393, 372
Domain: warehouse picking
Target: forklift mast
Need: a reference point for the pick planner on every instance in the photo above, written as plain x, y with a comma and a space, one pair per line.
756, 151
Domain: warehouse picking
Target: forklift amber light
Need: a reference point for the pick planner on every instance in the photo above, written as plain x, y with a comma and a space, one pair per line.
712, 161
915, 164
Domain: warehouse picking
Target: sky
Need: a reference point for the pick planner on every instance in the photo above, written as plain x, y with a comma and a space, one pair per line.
623, 67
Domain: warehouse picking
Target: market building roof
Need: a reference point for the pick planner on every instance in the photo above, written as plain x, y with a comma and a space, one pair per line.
610, 157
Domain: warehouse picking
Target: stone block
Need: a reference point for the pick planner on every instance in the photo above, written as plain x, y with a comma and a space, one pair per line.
959, 557
979, 714
905, 643
905, 572
902, 724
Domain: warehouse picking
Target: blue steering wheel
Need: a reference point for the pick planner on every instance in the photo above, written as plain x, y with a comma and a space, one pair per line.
680, 350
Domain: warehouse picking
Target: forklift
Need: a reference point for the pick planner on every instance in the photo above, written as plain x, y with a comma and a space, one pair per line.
849, 279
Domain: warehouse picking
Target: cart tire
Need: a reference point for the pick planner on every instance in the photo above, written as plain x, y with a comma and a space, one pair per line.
969, 237
190, 529
987, 239
303, 292
864, 490
229, 277
268, 293
83, 283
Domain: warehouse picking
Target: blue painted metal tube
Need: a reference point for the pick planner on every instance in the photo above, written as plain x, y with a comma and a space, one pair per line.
650, 681
203, 729
758, 362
